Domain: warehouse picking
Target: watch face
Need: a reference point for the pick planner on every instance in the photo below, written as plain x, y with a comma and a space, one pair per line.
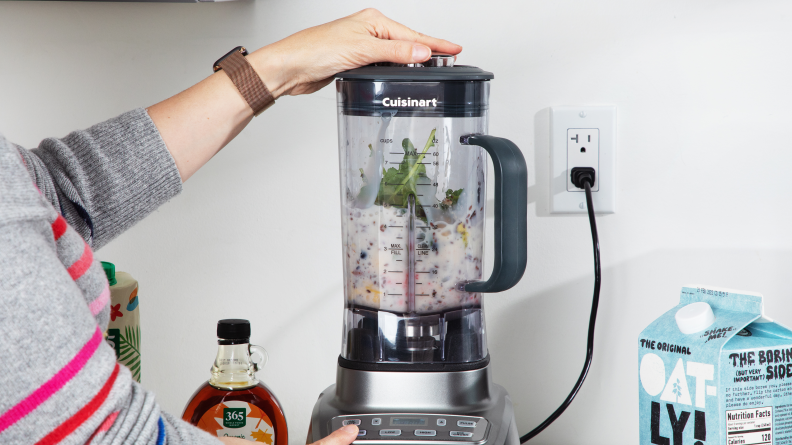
216, 66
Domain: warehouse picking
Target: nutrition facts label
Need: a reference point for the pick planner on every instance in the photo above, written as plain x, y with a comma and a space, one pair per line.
750, 426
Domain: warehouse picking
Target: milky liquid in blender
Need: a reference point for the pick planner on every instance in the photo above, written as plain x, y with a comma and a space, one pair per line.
410, 250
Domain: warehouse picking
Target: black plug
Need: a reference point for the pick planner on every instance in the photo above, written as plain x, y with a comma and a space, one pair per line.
581, 175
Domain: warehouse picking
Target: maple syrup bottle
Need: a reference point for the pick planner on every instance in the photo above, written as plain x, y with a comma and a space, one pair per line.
233, 403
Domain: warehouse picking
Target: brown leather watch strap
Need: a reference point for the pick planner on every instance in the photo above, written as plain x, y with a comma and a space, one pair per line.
247, 81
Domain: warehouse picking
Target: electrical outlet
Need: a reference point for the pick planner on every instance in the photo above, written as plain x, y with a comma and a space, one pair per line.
582, 137
582, 151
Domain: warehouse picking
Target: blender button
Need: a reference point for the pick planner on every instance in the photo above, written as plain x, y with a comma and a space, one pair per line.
466, 423
351, 422
441, 422
361, 433
376, 421
390, 432
461, 434
425, 433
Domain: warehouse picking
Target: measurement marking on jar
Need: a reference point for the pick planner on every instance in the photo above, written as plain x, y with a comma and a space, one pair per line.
397, 271
421, 295
397, 226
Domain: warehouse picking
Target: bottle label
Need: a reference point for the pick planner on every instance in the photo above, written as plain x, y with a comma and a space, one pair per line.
238, 419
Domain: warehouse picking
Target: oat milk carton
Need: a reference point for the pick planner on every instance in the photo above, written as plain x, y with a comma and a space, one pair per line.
715, 371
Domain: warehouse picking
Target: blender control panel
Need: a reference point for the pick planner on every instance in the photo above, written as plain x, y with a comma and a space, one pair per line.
434, 429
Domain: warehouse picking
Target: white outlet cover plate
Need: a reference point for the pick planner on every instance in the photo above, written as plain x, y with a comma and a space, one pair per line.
585, 118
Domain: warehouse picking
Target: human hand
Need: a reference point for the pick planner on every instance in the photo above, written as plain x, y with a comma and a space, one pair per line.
307, 61
342, 436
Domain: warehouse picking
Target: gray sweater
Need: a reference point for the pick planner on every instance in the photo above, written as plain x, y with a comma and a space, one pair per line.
59, 381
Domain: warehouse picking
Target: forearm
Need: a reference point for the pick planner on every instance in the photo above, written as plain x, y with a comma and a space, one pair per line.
198, 122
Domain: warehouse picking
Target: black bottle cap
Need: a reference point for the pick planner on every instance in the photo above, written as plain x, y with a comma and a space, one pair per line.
234, 329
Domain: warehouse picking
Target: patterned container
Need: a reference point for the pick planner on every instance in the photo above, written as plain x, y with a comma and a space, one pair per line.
123, 332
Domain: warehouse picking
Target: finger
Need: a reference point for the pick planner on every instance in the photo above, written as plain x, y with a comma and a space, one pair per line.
398, 51
342, 436
398, 31
393, 30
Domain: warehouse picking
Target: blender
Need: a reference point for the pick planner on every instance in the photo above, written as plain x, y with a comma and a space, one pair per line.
414, 365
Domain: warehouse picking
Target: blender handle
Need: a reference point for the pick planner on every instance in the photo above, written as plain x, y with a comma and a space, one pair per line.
511, 213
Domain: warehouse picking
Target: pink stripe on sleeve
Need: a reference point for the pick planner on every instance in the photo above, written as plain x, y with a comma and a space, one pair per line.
52, 386
104, 427
77, 269
108, 423
59, 227
97, 305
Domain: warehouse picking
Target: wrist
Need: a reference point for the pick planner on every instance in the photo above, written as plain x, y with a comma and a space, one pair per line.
272, 69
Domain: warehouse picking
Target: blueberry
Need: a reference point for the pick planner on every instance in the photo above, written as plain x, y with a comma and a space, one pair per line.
363, 255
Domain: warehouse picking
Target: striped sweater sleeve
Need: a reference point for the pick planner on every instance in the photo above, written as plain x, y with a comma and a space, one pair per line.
106, 178
59, 381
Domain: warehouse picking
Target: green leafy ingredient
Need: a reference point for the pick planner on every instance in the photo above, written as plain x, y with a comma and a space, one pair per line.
399, 183
412, 158
452, 197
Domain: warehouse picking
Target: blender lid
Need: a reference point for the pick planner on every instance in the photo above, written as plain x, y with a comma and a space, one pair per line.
420, 73
452, 91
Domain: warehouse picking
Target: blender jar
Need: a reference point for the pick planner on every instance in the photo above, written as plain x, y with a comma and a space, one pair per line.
413, 162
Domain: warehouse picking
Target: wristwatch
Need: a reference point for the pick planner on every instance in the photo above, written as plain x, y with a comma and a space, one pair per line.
247, 81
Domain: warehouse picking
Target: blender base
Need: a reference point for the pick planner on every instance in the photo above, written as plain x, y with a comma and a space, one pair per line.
417, 408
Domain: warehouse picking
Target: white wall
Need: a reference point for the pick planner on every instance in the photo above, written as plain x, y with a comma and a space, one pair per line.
703, 92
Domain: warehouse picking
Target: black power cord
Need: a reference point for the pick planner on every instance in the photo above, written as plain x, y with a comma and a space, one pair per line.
582, 177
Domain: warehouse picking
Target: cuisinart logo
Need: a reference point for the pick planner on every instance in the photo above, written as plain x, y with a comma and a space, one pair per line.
399, 102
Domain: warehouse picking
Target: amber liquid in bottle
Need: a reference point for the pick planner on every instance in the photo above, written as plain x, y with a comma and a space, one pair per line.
233, 403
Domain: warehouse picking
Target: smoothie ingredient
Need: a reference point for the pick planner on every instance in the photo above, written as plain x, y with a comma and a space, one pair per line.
448, 237
452, 197
233, 403
399, 183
